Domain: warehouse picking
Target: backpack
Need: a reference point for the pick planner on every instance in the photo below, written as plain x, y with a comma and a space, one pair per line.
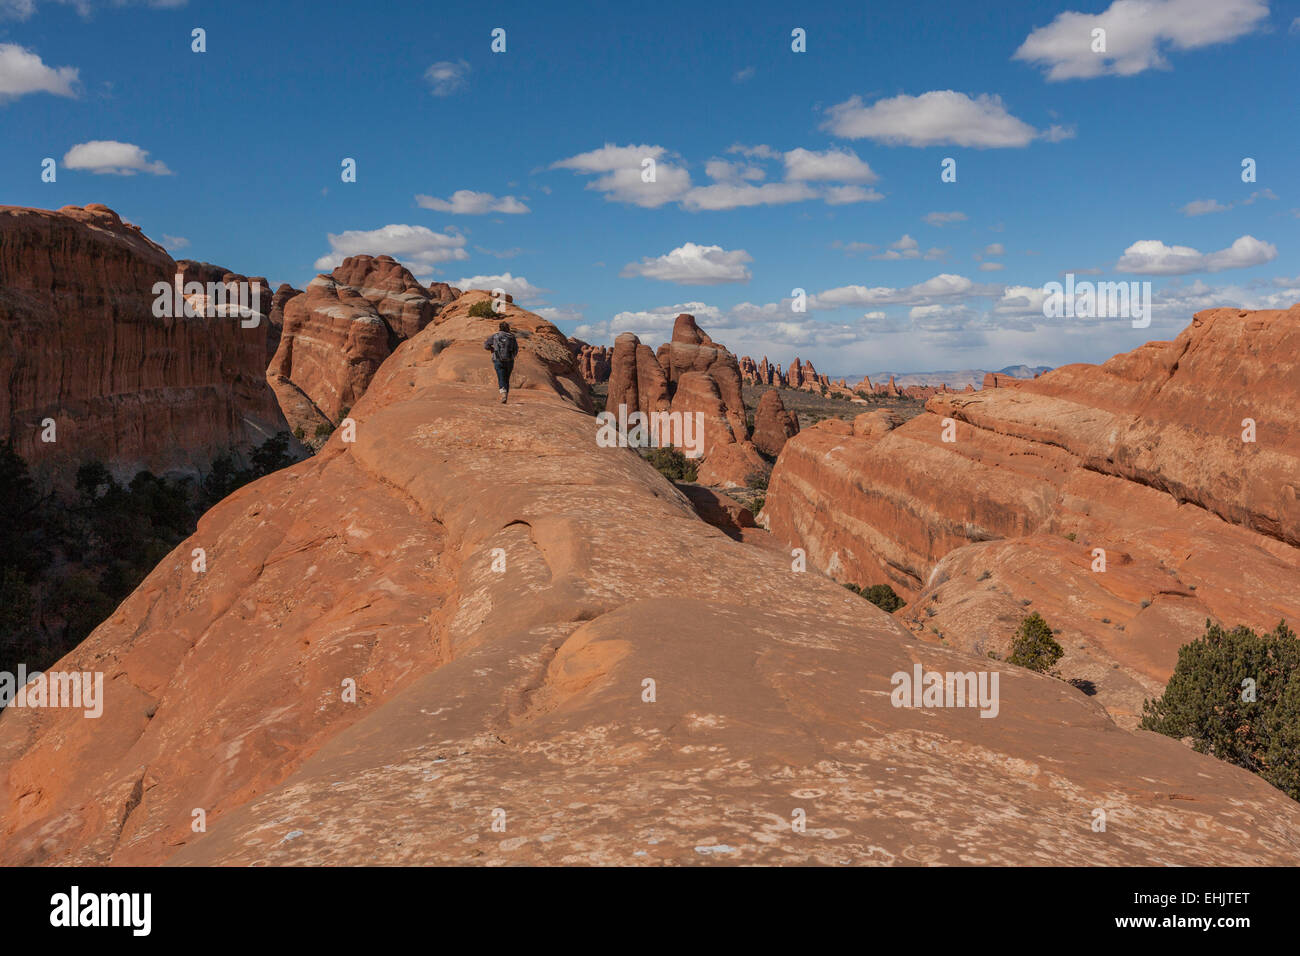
504, 347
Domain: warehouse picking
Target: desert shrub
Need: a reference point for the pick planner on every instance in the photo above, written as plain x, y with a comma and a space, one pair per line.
1236, 694
756, 481
440, 344
482, 309
672, 464
1033, 646
881, 595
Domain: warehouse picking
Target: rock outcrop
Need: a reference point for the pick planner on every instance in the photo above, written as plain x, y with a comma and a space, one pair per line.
341, 329
636, 381
773, 424
1176, 463
594, 361
473, 614
82, 347
691, 375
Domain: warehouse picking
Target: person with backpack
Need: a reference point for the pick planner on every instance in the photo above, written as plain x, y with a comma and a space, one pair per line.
504, 348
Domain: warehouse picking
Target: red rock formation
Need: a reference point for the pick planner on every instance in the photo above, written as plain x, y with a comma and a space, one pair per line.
773, 425
1141, 457
519, 686
698, 393
80, 345
593, 361
997, 380
276, 317
338, 333
723, 512
733, 465
691, 350
497, 588
635, 379
760, 373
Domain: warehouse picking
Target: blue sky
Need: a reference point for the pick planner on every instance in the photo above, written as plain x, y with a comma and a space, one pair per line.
775, 170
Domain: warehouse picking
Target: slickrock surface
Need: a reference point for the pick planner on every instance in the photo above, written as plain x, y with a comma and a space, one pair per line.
341, 329
1141, 457
519, 694
79, 344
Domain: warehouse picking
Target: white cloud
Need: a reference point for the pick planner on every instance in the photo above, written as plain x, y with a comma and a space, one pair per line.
740, 76
466, 202
106, 156
620, 169
24, 9
23, 72
843, 195
832, 165
1201, 207
417, 247
995, 249
907, 248
934, 118
516, 286
754, 152
447, 76
991, 267
175, 242
1153, 257
1137, 33
619, 172
936, 289
734, 195
693, 264
943, 218
723, 171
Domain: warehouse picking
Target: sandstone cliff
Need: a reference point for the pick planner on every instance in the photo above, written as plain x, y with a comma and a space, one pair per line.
1140, 461
80, 345
542, 632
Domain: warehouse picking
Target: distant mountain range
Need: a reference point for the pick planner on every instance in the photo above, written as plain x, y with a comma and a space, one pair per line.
956, 379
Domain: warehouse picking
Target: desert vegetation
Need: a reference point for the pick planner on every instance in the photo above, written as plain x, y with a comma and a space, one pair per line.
71, 557
1235, 694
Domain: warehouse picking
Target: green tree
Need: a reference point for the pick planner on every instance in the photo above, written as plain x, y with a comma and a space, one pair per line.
883, 597
672, 464
1033, 646
1236, 694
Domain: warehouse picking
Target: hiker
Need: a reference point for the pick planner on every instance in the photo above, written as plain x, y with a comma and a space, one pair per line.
504, 348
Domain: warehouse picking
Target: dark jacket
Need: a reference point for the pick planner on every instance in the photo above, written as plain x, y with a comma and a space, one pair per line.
503, 347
